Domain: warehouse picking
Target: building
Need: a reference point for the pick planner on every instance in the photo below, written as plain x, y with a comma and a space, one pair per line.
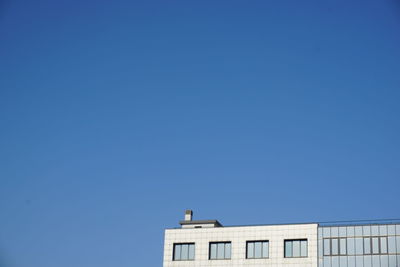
209, 243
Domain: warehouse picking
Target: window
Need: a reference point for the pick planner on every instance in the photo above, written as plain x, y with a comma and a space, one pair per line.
296, 248
343, 246
327, 246
335, 246
375, 245
367, 245
183, 252
220, 251
257, 249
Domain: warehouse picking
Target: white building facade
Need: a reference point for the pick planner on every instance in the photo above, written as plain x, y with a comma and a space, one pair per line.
208, 243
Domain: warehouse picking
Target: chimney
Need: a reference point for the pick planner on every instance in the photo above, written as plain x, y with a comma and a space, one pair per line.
188, 215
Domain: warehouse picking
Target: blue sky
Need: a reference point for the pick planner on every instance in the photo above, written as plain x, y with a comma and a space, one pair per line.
117, 116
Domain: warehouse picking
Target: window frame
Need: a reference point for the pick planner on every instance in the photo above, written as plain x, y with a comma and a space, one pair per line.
253, 242
291, 241
339, 246
216, 243
181, 244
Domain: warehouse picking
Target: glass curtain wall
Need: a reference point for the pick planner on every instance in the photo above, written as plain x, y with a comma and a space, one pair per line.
359, 246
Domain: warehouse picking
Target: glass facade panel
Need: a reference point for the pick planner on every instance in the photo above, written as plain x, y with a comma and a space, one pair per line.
320, 248
303, 248
288, 249
391, 229
398, 245
359, 246
350, 246
398, 232
343, 246
327, 232
257, 250
375, 245
367, 245
392, 261
351, 261
367, 261
327, 247
296, 248
335, 246
191, 252
334, 232
366, 230
227, 250
250, 250
391, 244
376, 261
213, 251
350, 230
342, 231
335, 261
359, 261
383, 230
358, 231
383, 243
343, 261
375, 230
265, 249
384, 261
327, 261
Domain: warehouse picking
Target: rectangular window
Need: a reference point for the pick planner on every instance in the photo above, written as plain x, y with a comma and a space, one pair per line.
257, 249
350, 246
383, 242
296, 248
220, 251
327, 247
367, 245
183, 252
343, 246
375, 245
335, 246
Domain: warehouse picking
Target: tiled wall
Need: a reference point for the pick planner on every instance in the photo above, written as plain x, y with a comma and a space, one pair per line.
276, 235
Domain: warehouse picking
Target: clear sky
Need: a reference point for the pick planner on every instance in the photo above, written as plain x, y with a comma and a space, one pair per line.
116, 116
